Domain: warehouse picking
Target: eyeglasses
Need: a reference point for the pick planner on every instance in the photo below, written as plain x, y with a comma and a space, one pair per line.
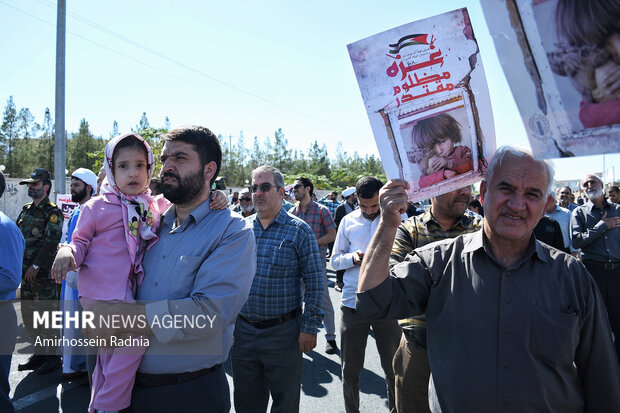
245, 199
264, 187
298, 186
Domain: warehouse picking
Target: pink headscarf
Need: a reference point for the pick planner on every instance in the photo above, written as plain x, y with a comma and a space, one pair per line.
140, 219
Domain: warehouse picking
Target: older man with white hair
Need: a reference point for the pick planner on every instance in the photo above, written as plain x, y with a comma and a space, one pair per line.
513, 324
596, 230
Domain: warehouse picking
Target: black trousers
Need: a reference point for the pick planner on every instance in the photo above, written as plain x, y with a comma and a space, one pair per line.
608, 281
207, 393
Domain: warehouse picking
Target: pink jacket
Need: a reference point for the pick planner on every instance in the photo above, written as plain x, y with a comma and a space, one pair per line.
100, 250
593, 115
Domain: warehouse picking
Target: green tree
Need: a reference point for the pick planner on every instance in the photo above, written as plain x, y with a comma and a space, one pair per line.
257, 156
25, 147
318, 160
279, 155
45, 149
81, 147
144, 122
9, 133
26, 124
115, 131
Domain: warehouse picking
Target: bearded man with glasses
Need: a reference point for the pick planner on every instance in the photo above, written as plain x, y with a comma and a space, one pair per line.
245, 207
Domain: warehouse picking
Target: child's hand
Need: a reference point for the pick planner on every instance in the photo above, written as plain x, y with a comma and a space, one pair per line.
63, 261
219, 200
436, 163
447, 174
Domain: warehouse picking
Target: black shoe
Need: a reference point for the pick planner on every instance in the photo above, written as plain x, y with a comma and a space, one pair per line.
338, 287
52, 363
76, 375
34, 362
331, 347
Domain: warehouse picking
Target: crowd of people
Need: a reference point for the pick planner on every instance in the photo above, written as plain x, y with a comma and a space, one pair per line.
506, 300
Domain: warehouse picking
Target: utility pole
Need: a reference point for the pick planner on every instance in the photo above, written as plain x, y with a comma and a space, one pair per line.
59, 139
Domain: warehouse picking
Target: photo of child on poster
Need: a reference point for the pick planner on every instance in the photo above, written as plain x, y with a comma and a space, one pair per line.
562, 61
428, 104
586, 49
438, 150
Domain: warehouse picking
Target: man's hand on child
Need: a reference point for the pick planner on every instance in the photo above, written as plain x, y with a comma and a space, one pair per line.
219, 200
62, 263
115, 311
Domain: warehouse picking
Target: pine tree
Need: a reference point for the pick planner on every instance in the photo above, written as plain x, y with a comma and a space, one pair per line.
45, 149
115, 131
82, 144
9, 133
144, 122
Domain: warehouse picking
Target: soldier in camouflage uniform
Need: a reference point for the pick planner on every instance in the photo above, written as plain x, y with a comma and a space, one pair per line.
40, 222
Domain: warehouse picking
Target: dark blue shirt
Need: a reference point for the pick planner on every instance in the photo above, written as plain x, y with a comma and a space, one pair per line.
588, 232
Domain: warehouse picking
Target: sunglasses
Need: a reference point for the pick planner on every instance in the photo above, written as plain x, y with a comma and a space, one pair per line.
245, 199
264, 187
298, 186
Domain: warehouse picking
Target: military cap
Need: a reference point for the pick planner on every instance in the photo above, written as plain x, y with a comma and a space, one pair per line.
38, 175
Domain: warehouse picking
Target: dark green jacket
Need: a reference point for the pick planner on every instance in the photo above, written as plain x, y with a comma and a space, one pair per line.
41, 227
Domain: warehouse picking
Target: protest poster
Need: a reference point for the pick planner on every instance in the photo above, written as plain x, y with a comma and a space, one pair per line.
428, 103
66, 205
562, 61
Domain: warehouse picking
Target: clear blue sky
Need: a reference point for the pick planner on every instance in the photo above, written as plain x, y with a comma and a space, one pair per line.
231, 66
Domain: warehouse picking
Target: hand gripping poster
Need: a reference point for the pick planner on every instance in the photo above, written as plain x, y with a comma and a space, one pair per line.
562, 61
428, 103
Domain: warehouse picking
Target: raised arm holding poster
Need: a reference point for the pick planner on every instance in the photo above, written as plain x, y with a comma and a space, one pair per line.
428, 103
562, 61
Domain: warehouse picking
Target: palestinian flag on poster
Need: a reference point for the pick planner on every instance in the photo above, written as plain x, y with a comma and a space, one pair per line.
410, 40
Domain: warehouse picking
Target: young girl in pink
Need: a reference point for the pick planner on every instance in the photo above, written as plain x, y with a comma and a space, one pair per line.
112, 234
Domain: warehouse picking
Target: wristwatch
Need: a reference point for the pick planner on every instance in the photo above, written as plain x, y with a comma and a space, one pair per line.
35, 266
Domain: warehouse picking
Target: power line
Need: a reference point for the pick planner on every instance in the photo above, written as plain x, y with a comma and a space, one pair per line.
187, 67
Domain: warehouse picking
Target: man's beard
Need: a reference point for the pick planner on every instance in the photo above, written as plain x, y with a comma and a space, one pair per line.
79, 196
594, 193
371, 217
36, 193
187, 188
247, 208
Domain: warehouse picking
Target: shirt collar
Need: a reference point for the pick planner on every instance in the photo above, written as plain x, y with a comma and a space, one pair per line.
479, 240
281, 218
463, 222
590, 205
43, 202
198, 214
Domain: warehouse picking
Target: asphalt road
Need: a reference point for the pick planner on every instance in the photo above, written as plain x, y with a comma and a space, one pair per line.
321, 389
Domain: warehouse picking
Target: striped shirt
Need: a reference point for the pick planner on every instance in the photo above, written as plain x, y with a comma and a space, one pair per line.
416, 232
287, 255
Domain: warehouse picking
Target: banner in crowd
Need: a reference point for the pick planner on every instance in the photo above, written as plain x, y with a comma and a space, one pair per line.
562, 61
428, 103
67, 206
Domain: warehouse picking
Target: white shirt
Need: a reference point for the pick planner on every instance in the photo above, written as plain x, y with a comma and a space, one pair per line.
562, 216
354, 234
